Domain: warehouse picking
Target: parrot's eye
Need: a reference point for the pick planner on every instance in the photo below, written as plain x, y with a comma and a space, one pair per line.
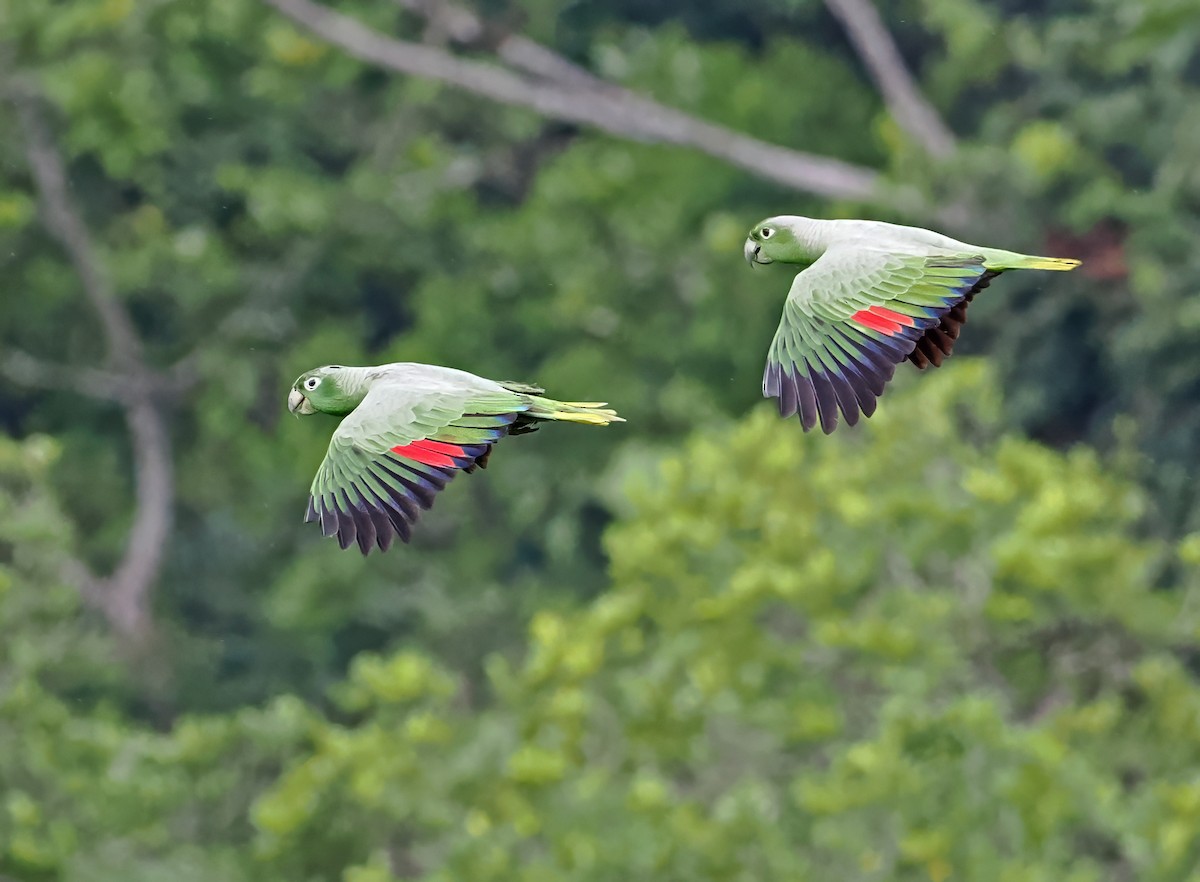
311, 383
766, 232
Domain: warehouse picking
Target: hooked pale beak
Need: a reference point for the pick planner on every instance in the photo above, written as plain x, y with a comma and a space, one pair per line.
751, 251
298, 404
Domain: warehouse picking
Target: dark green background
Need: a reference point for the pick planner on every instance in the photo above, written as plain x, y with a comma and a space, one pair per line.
957, 642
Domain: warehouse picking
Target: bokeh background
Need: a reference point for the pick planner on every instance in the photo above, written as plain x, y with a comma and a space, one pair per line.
958, 642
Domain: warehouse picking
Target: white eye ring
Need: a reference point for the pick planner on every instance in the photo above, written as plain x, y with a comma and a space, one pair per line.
766, 232
311, 383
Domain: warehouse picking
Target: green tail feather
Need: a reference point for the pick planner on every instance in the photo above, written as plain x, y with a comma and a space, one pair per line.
1010, 260
592, 413
521, 388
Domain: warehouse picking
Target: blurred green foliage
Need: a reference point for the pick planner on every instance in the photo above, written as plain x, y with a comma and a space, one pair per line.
804, 668
958, 642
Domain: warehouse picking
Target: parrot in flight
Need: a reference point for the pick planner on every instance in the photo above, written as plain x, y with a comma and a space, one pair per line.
872, 294
407, 430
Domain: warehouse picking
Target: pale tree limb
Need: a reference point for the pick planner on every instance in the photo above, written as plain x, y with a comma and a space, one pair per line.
130, 585
464, 27
28, 370
612, 109
65, 224
878, 52
35, 373
124, 596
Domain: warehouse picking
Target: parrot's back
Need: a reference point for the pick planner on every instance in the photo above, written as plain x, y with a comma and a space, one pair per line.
433, 378
898, 238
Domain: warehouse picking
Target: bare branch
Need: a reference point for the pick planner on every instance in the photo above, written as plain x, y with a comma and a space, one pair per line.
610, 109
536, 60
879, 54
65, 224
32, 372
123, 597
28, 370
462, 26
126, 592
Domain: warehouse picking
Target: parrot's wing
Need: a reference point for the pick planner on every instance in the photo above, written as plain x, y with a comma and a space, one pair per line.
854, 315
395, 451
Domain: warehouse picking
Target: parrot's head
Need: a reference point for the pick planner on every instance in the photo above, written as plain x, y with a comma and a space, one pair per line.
322, 390
773, 240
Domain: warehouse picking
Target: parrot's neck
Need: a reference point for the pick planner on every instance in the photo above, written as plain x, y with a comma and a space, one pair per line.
356, 382
353, 384
812, 237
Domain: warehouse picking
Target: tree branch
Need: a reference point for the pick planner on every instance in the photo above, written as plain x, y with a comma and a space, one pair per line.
128, 589
878, 52
465, 28
611, 109
123, 597
65, 224
28, 370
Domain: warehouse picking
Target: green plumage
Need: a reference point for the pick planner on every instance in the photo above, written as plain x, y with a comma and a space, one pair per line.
872, 295
408, 429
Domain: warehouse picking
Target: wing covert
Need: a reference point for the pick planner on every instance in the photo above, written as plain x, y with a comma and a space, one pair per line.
394, 453
854, 315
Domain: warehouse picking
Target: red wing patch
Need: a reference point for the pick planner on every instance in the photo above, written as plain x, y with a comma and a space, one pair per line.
434, 453
884, 320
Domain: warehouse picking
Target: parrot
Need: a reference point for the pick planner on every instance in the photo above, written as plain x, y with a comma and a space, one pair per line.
871, 295
407, 429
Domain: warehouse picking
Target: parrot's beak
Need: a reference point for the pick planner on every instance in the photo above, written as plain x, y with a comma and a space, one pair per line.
298, 404
751, 251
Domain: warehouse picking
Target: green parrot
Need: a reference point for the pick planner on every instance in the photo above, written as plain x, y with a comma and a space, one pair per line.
408, 429
872, 295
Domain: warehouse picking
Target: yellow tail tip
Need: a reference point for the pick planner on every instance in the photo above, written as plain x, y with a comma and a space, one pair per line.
1053, 263
590, 418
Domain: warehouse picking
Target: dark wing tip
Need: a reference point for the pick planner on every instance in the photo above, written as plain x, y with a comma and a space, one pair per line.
826, 400
384, 498
384, 534
937, 343
844, 377
481, 460
792, 392
824, 391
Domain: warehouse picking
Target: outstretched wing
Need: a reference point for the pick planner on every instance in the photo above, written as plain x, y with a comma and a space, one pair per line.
395, 452
854, 315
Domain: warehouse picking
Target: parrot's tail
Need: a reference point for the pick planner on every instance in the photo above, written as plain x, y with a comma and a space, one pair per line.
1026, 261
592, 413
